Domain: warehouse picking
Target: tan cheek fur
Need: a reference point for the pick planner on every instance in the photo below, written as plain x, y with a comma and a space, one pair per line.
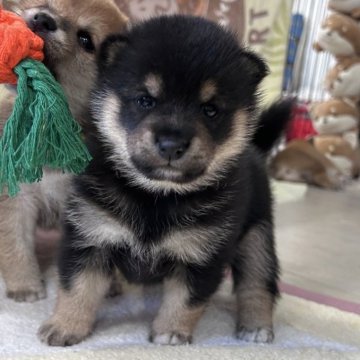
234, 145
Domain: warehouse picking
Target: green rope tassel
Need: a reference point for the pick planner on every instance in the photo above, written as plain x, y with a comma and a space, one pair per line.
40, 131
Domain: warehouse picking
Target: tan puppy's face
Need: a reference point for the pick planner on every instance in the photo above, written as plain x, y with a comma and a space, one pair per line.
72, 31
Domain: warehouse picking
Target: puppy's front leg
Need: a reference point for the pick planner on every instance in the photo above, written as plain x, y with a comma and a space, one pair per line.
85, 278
18, 263
177, 318
183, 304
75, 310
255, 272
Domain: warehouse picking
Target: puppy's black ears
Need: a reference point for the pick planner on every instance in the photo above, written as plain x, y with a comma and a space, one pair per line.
255, 67
110, 50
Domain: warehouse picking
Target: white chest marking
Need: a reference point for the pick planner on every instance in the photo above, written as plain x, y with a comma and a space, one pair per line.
194, 244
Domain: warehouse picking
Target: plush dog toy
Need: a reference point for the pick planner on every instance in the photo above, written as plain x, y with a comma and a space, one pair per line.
348, 7
337, 117
41, 130
343, 80
300, 161
339, 35
340, 152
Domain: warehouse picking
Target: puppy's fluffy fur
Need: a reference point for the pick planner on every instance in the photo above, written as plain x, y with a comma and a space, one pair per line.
177, 190
72, 31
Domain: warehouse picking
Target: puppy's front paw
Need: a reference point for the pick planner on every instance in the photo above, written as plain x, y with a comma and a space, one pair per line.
171, 338
258, 335
55, 333
30, 294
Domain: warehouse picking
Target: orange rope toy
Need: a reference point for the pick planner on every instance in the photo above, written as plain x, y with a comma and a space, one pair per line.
41, 130
17, 42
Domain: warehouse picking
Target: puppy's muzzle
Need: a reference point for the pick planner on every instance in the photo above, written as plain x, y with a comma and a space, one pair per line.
42, 22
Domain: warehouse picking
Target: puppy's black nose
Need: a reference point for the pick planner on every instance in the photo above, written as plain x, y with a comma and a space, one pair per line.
171, 148
42, 22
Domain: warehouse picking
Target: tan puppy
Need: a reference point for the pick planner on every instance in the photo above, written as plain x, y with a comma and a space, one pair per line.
72, 31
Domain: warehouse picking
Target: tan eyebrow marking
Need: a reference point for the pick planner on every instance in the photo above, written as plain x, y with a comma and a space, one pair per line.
153, 84
207, 91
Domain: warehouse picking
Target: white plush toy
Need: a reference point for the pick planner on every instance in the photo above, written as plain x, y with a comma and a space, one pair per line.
340, 35
337, 117
340, 152
349, 7
343, 80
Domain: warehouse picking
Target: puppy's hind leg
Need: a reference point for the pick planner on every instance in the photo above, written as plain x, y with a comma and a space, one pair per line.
255, 272
18, 263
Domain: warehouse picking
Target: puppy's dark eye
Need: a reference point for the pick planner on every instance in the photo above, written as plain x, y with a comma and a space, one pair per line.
209, 110
146, 102
85, 41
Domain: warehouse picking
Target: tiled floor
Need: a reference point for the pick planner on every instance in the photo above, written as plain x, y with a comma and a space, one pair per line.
318, 237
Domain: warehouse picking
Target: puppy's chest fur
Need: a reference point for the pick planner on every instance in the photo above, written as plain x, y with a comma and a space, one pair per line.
148, 235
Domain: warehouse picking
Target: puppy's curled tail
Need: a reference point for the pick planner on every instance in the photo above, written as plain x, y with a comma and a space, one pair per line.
272, 124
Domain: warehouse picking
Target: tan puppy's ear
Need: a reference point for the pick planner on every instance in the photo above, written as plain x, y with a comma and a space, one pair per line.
110, 49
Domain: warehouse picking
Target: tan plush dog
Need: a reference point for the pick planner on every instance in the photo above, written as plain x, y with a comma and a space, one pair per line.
337, 116
339, 35
340, 152
343, 80
301, 162
72, 31
348, 7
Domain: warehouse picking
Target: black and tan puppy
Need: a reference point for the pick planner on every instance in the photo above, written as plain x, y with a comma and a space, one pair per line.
176, 191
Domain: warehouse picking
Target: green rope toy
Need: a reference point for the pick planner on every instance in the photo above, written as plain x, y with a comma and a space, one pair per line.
41, 132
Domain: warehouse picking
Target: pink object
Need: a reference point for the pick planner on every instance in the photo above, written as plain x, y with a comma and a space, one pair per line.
320, 298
